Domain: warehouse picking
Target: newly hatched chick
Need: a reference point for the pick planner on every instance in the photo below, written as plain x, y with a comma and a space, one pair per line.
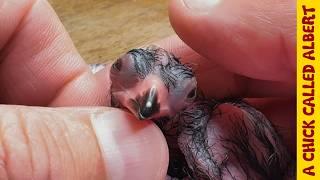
152, 83
206, 139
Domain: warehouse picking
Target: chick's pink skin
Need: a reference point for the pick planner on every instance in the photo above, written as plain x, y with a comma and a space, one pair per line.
125, 96
128, 85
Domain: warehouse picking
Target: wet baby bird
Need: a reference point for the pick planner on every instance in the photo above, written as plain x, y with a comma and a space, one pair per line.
206, 139
151, 83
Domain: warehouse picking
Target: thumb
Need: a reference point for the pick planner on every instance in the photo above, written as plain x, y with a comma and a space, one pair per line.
79, 143
251, 38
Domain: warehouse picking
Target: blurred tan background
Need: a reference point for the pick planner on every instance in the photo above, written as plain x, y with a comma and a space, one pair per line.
103, 29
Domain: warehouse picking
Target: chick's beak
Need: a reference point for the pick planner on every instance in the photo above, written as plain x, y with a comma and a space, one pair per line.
148, 104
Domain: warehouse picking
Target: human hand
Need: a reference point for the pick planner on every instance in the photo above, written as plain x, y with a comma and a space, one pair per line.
40, 67
38, 56
241, 49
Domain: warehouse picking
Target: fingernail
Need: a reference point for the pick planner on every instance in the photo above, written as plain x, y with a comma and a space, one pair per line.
97, 67
131, 149
201, 5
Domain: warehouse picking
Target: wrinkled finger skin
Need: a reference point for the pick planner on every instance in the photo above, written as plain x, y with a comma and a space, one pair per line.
79, 143
46, 143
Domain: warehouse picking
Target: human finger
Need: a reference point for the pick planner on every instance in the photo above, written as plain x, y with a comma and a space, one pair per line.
79, 143
251, 38
39, 63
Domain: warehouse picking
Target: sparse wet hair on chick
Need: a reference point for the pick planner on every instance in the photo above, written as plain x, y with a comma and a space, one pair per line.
134, 73
207, 139
154, 58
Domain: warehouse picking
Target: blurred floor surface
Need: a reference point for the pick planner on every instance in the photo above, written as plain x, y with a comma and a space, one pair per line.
104, 29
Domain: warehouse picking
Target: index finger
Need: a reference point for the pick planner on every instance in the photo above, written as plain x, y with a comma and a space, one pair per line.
39, 64
255, 39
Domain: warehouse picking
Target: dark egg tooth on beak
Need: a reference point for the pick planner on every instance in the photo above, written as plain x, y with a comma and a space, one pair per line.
148, 105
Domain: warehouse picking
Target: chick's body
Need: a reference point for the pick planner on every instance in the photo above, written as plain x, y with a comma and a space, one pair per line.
206, 139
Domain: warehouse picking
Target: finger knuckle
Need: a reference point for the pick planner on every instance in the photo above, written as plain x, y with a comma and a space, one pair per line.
19, 148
